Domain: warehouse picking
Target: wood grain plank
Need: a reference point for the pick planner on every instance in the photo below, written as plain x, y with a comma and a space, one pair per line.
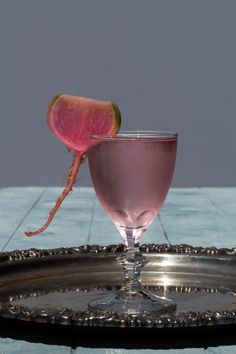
15, 204
229, 349
70, 226
189, 217
10, 346
224, 199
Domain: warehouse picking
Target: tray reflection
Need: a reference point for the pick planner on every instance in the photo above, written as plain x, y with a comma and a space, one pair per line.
44, 296
55, 287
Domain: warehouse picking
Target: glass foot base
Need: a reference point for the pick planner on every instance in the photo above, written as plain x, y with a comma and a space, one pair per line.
133, 304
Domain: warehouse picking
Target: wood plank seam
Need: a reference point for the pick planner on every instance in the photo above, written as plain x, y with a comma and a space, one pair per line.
91, 220
23, 219
218, 208
210, 351
163, 228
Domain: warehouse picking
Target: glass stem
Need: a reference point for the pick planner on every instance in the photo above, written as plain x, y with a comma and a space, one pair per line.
132, 262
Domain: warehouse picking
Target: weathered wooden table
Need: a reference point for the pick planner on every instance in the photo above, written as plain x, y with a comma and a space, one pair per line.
195, 216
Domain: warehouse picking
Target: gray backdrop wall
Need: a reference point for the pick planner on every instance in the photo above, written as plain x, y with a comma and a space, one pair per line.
169, 65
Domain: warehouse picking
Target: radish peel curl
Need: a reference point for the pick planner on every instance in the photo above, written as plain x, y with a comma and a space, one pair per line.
71, 179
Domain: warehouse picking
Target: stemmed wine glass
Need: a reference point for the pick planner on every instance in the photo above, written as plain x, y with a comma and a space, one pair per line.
131, 174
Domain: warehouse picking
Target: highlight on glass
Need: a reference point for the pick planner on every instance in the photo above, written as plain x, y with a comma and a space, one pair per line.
131, 174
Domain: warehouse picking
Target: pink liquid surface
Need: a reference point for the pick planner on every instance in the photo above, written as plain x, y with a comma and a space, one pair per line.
131, 178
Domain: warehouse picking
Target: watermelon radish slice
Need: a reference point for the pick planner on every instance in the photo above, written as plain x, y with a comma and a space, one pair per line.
73, 120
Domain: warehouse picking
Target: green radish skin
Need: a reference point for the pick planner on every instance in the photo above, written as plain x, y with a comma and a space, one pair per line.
73, 120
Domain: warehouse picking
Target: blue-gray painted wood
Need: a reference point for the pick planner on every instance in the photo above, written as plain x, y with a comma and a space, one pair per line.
15, 205
231, 349
70, 226
204, 216
190, 216
9, 346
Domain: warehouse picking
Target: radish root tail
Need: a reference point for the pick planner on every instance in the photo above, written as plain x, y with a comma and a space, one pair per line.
71, 179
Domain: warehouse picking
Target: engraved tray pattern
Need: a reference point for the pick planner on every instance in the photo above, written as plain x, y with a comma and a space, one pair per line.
64, 278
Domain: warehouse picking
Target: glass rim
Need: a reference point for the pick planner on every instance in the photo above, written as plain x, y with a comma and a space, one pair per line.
138, 134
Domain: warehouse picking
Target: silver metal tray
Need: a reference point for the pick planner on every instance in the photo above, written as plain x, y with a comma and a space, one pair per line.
54, 286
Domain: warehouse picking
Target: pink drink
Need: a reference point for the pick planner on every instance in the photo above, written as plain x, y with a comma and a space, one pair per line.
131, 177
131, 174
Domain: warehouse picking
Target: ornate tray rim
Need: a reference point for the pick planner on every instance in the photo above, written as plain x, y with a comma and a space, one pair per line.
69, 317
18, 255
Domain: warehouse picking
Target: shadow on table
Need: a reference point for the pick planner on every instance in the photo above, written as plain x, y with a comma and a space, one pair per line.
133, 338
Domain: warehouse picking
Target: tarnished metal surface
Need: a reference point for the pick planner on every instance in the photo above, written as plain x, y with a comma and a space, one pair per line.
55, 286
